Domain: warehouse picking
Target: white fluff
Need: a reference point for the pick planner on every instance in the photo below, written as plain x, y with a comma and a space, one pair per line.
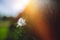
21, 22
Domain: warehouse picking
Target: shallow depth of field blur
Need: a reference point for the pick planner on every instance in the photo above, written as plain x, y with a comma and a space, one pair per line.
10, 30
11, 10
4, 28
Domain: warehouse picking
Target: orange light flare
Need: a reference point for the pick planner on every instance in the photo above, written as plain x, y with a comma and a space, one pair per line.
41, 26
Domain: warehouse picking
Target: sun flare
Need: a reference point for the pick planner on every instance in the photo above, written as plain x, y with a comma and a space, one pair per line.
20, 4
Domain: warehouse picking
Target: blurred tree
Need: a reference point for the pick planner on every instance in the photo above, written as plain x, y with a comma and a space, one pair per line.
4, 18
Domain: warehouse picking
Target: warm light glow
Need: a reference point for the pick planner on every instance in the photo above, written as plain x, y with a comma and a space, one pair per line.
20, 4
35, 12
12, 7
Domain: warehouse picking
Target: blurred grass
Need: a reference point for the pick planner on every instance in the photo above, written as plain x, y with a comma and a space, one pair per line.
4, 28
17, 34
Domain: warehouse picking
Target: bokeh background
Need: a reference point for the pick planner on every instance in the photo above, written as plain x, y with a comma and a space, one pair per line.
10, 10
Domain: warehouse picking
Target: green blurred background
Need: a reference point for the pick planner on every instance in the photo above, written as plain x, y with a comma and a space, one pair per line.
4, 28
9, 31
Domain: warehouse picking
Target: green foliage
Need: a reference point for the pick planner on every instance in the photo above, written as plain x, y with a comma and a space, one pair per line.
21, 33
3, 33
4, 29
